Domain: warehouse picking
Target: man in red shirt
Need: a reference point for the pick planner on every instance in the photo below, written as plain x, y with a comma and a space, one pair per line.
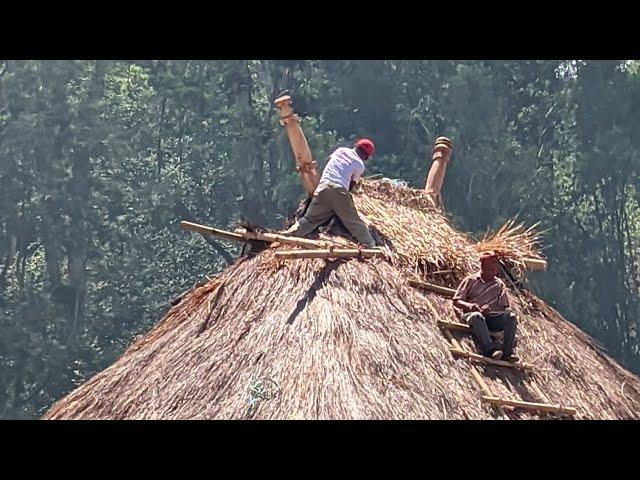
483, 299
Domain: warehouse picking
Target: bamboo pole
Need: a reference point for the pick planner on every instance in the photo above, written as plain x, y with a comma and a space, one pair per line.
304, 162
274, 237
447, 292
212, 231
455, 326
242, 235
330, 253
534, 264
543, 407
490, 361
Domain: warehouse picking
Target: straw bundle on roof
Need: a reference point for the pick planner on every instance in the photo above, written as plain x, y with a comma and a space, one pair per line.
348, 339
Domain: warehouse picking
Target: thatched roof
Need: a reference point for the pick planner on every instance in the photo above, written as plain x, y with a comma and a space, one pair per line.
346, 340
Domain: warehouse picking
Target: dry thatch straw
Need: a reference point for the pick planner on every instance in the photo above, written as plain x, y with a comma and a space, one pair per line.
315, 339
512, 242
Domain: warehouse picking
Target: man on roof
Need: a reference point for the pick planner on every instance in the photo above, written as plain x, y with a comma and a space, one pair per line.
332, 195
483, 299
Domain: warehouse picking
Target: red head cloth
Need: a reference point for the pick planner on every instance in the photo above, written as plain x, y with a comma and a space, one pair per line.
366, 145
488, 257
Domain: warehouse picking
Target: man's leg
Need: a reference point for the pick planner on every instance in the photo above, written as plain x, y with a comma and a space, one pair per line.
481, 332
508, 323
319, 211
343, 206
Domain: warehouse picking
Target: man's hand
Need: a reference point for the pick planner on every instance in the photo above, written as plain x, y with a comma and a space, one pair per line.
484, 309
473, 307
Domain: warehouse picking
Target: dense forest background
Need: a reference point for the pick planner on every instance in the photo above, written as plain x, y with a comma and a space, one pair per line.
99, 161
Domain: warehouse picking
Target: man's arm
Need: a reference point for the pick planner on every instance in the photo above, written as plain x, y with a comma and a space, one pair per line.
502, 305
459, 298
466, 307
503, 302
355, 178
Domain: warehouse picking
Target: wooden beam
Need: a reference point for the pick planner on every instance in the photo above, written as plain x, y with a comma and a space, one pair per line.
447, 292
329, 253
535, 264
462, 327
543, 407
490, 361
284, 239
212, 231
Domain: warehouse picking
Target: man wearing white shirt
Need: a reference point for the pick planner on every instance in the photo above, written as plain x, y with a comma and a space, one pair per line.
344, 168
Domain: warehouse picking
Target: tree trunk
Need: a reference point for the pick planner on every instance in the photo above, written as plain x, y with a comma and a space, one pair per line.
159, 151
80, 175
247, 150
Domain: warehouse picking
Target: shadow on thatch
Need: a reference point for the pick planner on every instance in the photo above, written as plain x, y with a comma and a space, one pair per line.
310, 294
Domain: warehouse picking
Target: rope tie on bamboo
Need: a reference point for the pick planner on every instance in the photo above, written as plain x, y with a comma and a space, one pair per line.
260, 389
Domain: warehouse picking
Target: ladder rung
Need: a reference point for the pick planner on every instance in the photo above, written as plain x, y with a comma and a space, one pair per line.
543, 407
490, 361
463, 327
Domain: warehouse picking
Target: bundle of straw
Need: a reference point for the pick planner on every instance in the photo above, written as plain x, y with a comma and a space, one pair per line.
513, 242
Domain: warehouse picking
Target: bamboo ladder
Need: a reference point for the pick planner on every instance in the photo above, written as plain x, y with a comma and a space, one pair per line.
458, 350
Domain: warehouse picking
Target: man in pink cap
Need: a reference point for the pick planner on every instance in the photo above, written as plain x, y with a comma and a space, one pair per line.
332, 195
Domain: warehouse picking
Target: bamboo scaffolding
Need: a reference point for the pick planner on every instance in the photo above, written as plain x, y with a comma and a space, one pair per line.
274, 237
329, 253
242, 235
484, 387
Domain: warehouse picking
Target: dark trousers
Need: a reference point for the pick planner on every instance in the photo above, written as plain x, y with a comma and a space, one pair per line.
482, 325
329, 201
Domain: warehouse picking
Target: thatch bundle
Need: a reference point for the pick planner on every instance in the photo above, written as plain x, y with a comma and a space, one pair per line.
348, 339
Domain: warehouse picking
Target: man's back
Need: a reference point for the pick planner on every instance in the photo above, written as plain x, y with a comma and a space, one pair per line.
343, 167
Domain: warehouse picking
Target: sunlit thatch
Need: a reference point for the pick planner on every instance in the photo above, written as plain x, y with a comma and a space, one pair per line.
315, 339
